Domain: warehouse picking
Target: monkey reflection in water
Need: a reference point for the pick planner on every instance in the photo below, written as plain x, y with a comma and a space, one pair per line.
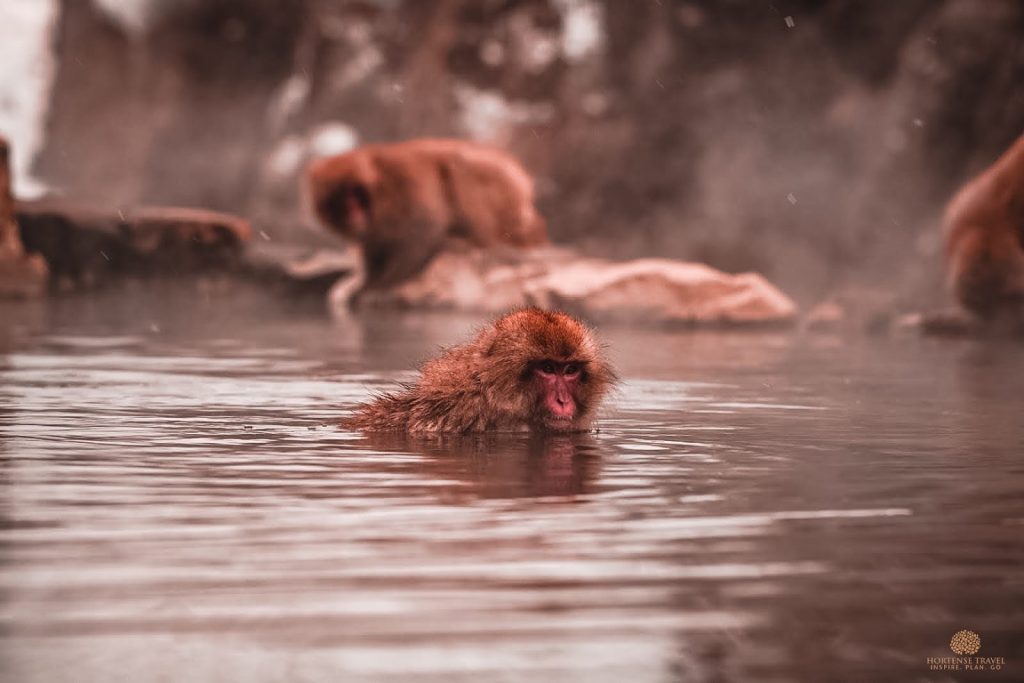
531, 370
491, 465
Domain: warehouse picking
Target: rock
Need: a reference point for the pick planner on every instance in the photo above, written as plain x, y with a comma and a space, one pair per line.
825, 317
299, 270
489, 280
87, 245
21, 275
855, 309
658, 290
956, 322
665, 290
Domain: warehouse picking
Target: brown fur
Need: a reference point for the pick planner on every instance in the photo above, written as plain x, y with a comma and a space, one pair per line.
985, 240
485, 385
406, 201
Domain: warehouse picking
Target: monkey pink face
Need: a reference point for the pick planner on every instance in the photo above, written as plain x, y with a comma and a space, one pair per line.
559, 388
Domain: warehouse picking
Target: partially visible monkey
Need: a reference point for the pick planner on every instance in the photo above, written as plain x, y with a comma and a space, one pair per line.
531, 370
406, 201
985, 240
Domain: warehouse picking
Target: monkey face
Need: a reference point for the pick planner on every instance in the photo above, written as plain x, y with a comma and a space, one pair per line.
559, 390
347, 209
341, 189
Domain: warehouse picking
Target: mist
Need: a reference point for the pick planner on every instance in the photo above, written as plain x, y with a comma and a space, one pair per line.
815, 143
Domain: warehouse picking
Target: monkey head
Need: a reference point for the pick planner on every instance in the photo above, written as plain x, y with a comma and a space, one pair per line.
531, 370
544, 370
341, 192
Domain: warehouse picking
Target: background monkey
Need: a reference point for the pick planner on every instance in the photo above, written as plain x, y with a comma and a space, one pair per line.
404, 202
985, 240
530, 370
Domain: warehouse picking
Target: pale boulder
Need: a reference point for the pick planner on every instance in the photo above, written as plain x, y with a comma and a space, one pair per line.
660, 290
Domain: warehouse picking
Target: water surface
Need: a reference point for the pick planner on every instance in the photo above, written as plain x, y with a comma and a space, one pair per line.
178, 504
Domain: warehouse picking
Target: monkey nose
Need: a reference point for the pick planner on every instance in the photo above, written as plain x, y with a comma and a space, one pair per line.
562, 406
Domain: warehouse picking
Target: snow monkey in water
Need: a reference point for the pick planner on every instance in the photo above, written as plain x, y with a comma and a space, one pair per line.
530, 370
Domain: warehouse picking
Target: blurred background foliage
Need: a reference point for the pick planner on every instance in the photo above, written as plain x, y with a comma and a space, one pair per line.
815, 142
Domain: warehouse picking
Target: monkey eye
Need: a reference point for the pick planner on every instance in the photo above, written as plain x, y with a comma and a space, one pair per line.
548, 368
571, 369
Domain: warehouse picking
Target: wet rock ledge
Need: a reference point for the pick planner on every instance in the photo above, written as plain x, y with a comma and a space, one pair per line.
55, 244
86, 246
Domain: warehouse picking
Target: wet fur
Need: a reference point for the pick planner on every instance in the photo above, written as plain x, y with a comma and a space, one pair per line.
485, 384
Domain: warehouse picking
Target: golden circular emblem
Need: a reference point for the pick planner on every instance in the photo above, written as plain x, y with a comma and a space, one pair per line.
965, 643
